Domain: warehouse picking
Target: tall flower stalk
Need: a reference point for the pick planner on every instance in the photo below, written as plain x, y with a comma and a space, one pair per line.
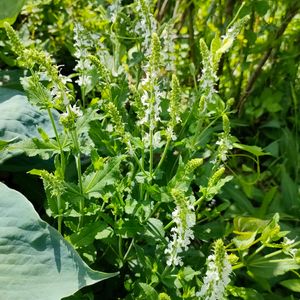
217, 276
182, 234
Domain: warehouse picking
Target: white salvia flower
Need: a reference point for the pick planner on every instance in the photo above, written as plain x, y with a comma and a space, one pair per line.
152, 95
156, 140
73, 111
84, 80
171, 134
113, 10
182, 234
217, 276
168, 52
146, 24
211, 58
225, 145
83, 43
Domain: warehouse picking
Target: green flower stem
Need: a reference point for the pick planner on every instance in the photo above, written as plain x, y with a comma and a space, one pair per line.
238, 266
62, 164
83, 96
199, 201
79, 172
169, 225
280, 251
62, 156
60, 217
151, 154
139, 164
120, 248
128, 250
163, 156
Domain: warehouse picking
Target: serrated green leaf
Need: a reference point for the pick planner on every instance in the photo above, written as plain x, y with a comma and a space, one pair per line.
95, 182
148, 291
87, 234
45, 150
35, 261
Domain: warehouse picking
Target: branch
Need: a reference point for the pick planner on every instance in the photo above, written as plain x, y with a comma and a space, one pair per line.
290, 14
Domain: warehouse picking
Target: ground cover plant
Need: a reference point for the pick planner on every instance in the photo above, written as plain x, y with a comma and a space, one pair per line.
160, 139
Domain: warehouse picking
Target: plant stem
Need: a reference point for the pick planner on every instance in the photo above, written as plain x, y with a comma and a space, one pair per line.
60, 217
128, 250
62, 157
163, 156
62, 165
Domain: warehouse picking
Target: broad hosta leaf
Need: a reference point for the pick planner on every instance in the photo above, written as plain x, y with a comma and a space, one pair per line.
35, 261
9, 10
95, 182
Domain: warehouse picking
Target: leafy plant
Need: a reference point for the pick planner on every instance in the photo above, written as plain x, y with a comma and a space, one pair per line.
147, 175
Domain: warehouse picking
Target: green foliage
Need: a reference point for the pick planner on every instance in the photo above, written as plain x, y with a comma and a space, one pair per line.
174, 129
36, 252
9, 11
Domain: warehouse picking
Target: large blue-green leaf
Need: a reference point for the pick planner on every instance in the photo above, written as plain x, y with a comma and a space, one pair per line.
35, 261
9, 10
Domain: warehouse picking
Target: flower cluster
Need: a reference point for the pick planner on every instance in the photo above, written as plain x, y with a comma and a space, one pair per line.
168, 54
182, 234
217, 276
151, 98
146, 25
225, 140
83, 43
57, 95
211, 58
68, 118
173, 108
209, 73
113, 10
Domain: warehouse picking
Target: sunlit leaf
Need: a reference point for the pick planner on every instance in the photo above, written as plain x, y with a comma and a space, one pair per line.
35, 261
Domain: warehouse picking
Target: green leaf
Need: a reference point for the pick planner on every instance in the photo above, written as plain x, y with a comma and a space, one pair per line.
148, 292
87, 234
95, 182
255, 150
9, 10
261, 7
244, 240
35, 261
271, 267
4, 144
45, 150
292, 284
212, 230
244, 293
244, 224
